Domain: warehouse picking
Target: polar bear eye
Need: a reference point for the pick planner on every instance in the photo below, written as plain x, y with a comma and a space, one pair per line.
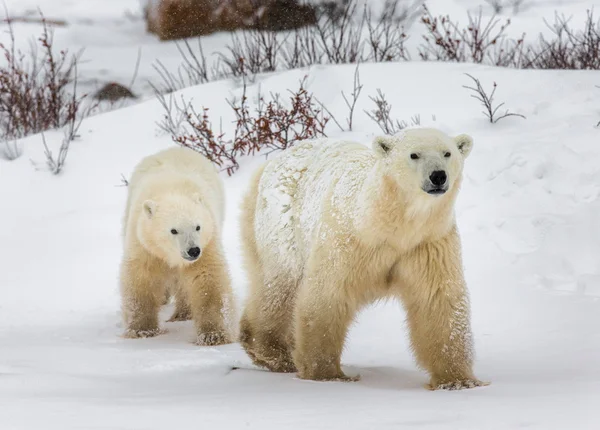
197, 228
447, 155
414, 156
173, 231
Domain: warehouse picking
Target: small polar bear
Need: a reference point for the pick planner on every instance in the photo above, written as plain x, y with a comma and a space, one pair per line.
172, 243
330, 227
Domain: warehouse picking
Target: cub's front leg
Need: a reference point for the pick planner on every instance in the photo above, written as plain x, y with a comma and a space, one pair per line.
435, 296
208, 288
142, 293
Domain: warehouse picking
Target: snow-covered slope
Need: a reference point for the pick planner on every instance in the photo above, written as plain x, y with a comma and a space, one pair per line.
528, 214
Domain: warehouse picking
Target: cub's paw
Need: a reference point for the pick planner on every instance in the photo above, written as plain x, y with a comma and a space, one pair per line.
141, 334
460, 384
212, 338
336, 377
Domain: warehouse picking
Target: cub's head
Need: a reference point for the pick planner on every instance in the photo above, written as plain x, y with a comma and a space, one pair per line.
175, 228
424, 161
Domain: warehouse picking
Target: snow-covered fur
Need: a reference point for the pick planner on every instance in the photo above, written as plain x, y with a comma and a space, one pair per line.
329, 227
172, 242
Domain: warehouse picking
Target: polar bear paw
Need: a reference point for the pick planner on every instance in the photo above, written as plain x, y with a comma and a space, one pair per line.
459, 384
142, 334
212, 338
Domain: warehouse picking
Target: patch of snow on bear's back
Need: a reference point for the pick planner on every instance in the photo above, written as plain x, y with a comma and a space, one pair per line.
293, 191
274, 215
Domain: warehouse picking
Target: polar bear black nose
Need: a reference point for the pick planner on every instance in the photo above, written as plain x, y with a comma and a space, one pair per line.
438, 178
194, 252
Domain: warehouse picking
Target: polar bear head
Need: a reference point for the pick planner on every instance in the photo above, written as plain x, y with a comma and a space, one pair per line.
424, 161
175, 228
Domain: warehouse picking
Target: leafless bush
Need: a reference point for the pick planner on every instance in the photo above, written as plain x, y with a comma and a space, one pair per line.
447, 41
192, 71
569, 48
332, 10
55, 165
349, 101
272, 126
342, 37
38, 90
256, 51
382, 116
487, 101
345, 36
386, 35
341, 40
301, 50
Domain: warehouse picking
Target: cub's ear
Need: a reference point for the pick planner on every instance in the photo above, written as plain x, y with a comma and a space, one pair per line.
382, 145
149, 208
464, 143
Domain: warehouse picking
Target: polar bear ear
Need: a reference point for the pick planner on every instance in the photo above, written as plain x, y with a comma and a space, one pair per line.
464, 143
149, 208
382, 145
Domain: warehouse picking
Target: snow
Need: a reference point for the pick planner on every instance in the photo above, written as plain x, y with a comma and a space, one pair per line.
527, 213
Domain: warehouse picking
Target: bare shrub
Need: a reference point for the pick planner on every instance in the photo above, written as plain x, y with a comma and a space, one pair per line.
301, 50
340, 37
569, 48
382, 116
38, 91
272, 126
386, 34
341, 40
192, 71
55, 165
349, 101
447, 41
256, 51
491, 111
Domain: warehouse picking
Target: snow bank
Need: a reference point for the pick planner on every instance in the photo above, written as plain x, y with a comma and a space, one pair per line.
528, 214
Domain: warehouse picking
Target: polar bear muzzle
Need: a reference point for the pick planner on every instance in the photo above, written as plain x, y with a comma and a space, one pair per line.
437, 183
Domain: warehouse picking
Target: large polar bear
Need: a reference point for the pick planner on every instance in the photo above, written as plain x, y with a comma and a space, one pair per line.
172, 240
329, 227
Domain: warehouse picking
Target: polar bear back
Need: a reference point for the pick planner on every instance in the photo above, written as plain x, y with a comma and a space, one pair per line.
298, 187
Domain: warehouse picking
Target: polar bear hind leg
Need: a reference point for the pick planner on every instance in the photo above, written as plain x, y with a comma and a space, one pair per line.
265, 331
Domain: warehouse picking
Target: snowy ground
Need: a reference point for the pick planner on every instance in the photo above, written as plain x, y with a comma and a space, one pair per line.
528, 215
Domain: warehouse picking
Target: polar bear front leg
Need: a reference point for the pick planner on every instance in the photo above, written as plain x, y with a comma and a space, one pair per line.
323, 313
182, 310
434, 294
142, 293
209, 291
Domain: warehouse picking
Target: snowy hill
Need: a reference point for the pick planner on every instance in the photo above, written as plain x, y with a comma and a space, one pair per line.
528, 218
527, 213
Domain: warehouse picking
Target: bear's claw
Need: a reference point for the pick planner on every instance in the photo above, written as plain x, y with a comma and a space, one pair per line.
461, 384
141, 334
212, 338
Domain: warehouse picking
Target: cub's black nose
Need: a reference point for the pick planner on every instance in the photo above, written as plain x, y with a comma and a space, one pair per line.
438, 178
194, 252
